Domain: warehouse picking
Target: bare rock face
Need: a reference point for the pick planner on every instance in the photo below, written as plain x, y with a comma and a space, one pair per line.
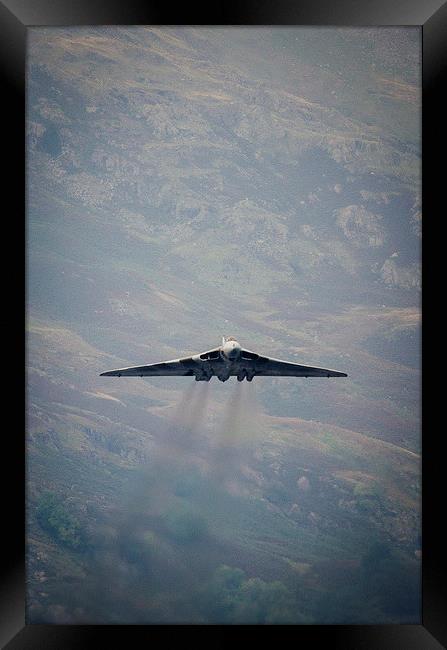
399, 275
363, 228
303, 483
185, 183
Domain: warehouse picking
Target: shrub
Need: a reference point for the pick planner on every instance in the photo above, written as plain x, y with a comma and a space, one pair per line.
63, 526
185, 525
232, 598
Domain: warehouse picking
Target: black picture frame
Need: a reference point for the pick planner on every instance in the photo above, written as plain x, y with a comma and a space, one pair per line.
15, 17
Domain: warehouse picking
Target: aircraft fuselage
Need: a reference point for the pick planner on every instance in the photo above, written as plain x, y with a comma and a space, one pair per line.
230, 353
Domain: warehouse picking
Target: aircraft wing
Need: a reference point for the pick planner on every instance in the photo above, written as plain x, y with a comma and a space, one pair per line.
269, 367
256, 364
181, 367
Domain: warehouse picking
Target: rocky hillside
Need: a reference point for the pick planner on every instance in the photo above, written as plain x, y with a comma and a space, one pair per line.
185, 183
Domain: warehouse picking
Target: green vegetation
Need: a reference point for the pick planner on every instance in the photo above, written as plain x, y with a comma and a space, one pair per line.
368, 497
54, 517
385, 586
231, 597
182, 553
185, 182
393, 581
184, 524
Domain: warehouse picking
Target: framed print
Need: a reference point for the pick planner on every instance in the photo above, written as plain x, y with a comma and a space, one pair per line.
223, 303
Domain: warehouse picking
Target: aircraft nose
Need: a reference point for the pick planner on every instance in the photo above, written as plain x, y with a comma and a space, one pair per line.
235, 350
232, 349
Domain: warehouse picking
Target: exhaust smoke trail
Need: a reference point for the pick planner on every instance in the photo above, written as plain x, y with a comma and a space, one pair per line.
182, 444
235, 437
185, 426
186, 397
134, 537
192, 406
195, 410
177, 450
241, 421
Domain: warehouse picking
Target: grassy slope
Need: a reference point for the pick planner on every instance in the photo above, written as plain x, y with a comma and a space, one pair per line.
133, 253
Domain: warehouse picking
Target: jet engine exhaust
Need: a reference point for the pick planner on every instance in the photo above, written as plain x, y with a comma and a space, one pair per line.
235, 435
192, 407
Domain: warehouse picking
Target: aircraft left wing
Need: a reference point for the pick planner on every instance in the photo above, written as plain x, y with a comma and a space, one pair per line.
181, 367
269, 367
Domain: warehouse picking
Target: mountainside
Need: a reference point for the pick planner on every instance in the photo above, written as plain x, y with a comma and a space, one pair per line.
185, 183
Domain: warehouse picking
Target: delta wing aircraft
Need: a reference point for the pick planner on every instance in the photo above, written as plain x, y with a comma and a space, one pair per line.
228, 360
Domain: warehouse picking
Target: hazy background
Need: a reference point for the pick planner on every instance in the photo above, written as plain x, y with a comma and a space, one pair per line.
185, 183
